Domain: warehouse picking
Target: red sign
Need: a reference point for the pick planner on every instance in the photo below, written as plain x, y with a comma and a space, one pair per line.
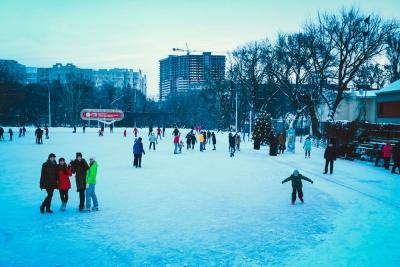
102, 114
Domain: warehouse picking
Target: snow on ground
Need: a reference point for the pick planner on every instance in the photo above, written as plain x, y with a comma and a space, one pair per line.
195, 209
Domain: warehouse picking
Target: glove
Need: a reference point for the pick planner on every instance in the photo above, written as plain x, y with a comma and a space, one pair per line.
312, 182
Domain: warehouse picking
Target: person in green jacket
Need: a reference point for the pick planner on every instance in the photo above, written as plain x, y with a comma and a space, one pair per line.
307, 147
297, 185
91, 184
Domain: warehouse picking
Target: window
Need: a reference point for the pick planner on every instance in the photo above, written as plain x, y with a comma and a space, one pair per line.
389, 109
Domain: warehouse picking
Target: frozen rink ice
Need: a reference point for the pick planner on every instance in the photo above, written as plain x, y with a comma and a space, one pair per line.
195, 209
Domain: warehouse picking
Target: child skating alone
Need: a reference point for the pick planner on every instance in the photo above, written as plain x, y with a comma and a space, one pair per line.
297, 185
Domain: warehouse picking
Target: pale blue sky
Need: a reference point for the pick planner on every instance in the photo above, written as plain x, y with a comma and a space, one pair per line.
136, 34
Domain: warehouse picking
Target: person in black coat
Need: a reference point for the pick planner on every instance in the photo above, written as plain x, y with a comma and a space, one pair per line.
273, 146
232, 145
10, 132
330, 156
49, 181
1, 133
137, 153
396, 157
79, 167
214, 140
297, 185
194, 140
189, 140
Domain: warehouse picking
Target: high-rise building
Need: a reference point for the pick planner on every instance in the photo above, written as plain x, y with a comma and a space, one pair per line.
181, 74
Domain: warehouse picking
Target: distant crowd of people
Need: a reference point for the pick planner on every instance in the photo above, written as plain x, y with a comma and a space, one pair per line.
387, 152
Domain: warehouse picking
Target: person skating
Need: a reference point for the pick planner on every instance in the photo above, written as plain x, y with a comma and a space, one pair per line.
214, 140
125, 133
330, 157
20, 132
84, 128
201, 141
194, 140
1, 134
64, 184
231, 140
152, 140
282, 142
37, 133
23, 131
163, 131
205, 140
10, 132
273, 147
180, 146
188, 140
378, 154
307, 147
137, 153
135, 132
297, 185
396, 157
176, 143
237, 141
48, 181
46, 130
208, 137
79, 167
111, 128
91, 186
387, 154
159, 133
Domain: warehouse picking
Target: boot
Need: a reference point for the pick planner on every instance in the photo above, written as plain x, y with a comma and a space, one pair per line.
302, 200
48, 210
42, 209
292, 202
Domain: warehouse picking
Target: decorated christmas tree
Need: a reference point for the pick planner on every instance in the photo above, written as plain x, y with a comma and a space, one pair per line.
262, 129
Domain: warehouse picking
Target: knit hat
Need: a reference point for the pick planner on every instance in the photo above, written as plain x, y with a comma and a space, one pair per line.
78, 154
296, 173
61, 159
51, 155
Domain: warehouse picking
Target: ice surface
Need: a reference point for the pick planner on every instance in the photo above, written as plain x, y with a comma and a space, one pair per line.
195, 208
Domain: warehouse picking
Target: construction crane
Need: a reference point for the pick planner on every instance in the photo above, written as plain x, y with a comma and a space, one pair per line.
188, 51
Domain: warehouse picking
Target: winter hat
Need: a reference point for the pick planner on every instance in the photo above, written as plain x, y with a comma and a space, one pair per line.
51, 155
78, 154
61, 159
296, 173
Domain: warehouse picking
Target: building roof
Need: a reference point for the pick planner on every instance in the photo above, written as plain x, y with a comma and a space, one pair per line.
391, 88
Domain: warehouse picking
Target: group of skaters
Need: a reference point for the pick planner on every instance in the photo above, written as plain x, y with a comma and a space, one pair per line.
234, 141
387, 152
22, 132
277, 143
56, 176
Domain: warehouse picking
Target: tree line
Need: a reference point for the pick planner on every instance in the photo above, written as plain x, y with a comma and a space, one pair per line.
298, 72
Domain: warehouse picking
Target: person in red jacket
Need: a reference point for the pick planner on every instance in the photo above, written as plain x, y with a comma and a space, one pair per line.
64, 184
387, 154
176, 143
135, 131
125, 133
159, 133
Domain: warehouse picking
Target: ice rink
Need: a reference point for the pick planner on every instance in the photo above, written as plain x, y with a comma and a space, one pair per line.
195, 208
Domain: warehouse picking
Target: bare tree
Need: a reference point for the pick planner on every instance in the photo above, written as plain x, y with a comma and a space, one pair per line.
355, 39
393, 55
